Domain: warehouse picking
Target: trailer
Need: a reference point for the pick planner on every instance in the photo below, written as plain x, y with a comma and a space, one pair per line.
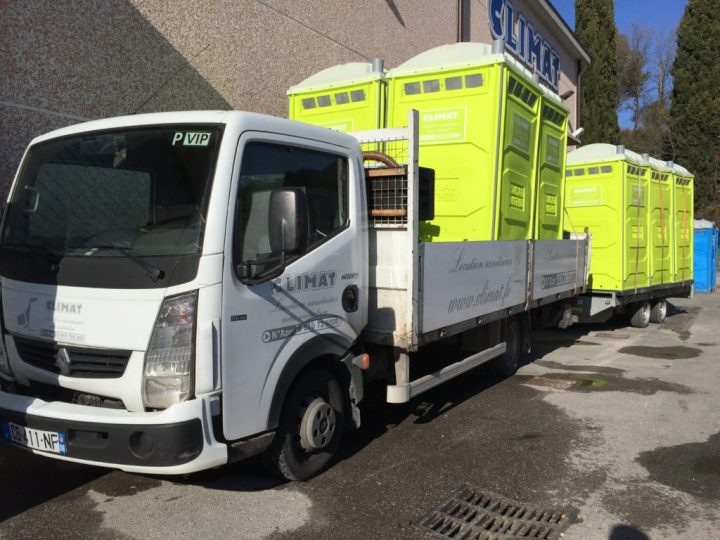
182, 290
639, 215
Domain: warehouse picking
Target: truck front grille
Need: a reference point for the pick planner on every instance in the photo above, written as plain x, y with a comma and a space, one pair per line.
79, 362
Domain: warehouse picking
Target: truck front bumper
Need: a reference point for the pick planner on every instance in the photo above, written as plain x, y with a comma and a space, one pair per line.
178, 440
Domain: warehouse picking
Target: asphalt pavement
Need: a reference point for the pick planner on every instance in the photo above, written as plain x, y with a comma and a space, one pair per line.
615, 427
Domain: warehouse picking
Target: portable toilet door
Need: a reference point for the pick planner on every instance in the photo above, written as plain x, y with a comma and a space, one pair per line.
683, 223
347, 97
636, 198
714, 258
660, 220
479, 117
705, 259
552, 154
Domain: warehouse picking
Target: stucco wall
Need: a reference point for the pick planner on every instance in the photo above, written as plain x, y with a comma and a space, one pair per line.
65, 61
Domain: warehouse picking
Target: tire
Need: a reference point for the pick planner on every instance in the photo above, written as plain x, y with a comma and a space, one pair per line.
508, 364
311, 427
640, 317
658, 313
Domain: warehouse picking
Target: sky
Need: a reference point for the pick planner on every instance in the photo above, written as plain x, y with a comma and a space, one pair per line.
654, 14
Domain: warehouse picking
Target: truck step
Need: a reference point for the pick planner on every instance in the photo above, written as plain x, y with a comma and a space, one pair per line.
403, 393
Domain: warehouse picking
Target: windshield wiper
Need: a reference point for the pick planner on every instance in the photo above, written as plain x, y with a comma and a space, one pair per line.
153, 272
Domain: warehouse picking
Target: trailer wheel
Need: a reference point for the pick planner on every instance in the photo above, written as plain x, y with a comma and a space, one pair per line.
508, 364
658, 313
640, 317
311, 427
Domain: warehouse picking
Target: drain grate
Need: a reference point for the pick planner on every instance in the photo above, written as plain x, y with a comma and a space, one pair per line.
473, 514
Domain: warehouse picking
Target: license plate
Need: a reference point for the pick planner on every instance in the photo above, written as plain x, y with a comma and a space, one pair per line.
47, 441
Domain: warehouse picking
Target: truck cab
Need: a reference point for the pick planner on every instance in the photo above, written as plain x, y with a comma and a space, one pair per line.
184, 289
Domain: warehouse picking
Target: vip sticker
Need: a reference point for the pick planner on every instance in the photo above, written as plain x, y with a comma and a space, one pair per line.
191, 138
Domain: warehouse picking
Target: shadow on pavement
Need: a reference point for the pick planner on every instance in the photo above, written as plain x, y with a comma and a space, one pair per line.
29, 480
627, 532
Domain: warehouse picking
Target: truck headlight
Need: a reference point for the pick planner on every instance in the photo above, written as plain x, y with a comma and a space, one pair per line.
170, 357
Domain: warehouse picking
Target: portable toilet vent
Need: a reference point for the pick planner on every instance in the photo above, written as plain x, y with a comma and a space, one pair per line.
607, 191
479, 122
683, 182
347, 97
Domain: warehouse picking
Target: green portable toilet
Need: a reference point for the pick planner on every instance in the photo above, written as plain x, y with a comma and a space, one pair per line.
683, 184
552, 152
606, 191
347, 97
661, 221
479, 117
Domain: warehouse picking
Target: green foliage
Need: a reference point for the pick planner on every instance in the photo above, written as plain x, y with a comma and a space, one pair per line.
695, 110
595, 28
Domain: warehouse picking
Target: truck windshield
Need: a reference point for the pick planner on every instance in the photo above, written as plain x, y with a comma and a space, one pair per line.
142, 191
133, 193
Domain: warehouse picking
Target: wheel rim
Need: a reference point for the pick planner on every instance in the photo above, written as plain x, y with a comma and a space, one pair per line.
317, 428
662, 310
646, 312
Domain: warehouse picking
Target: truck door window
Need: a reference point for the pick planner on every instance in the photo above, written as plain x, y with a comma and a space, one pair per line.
265, 167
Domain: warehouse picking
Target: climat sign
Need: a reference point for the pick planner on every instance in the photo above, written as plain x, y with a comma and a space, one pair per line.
521, 39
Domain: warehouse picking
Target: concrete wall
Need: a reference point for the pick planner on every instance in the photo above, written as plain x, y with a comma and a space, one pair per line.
64, 61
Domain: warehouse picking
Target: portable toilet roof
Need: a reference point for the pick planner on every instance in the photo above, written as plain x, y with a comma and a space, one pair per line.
679, 170
336, 76
603, 152
660, 165
703, 224
345, 97
454, 56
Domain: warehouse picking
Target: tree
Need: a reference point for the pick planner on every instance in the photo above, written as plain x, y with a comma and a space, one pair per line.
647, 58
633, 76
695, 110
595, 28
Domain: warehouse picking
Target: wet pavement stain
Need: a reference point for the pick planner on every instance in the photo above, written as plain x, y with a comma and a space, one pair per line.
693, 467
398, 473
680, 320
124, 485
664, 353
577, 367
646, 506
607, 383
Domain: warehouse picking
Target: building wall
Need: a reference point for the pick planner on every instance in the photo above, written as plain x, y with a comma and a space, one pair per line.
65, 62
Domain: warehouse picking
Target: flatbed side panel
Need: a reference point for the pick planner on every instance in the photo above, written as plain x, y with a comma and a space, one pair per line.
558, 267
464, 280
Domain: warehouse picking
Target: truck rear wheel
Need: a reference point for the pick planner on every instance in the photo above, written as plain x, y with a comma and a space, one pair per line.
311, 427
640, 317
658, 313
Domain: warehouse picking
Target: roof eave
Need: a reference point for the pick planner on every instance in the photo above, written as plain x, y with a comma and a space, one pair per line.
565, 29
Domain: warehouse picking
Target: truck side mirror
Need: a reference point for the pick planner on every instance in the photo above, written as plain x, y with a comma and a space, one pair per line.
288, 220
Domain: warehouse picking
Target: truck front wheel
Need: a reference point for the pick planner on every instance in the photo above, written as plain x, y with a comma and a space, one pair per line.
311, 427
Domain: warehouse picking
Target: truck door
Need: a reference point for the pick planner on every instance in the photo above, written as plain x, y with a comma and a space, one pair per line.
268, 321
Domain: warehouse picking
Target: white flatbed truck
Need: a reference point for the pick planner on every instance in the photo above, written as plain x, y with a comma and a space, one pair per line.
182, 290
